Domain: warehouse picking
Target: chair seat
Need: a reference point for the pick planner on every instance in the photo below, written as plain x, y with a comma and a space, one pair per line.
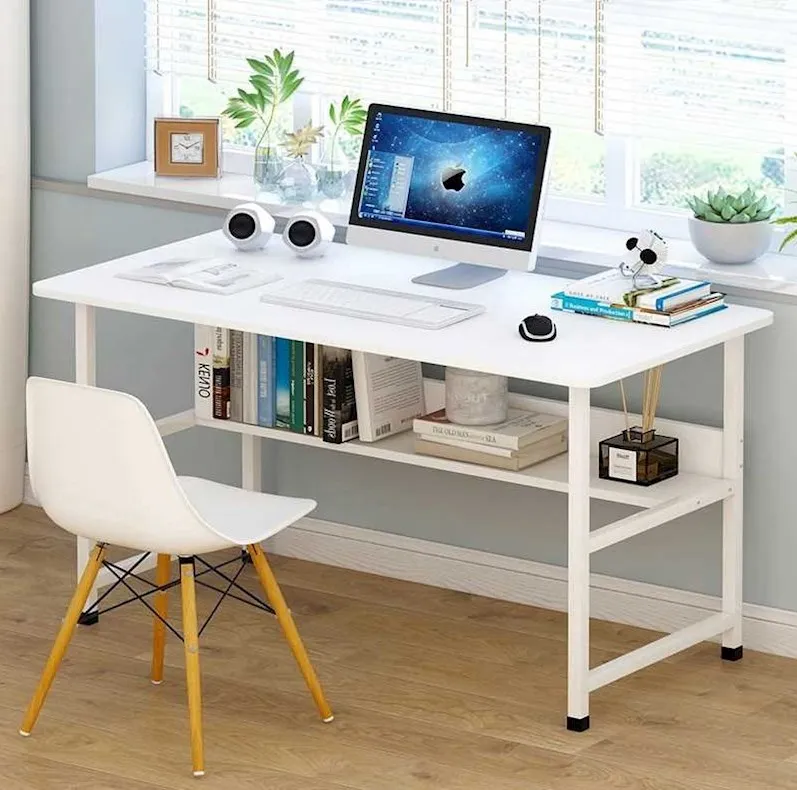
241, 517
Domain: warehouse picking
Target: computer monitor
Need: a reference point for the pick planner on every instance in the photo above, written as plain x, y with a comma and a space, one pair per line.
451, 186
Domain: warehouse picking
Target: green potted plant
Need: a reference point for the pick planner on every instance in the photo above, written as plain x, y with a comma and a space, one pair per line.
273, 81
731, 228
297, 181
348, 123
791, 235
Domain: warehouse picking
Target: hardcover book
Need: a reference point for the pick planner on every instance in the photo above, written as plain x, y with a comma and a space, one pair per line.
204, 340
389, 394
679, 315
520, 429
236, 375
282, 373
310, 384
221, 373
266, 381
515, 461
297, 386
339, 405
251, 381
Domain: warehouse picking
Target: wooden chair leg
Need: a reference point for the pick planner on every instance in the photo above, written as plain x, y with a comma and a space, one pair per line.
79, 598
289, 629
161, 606
191, 641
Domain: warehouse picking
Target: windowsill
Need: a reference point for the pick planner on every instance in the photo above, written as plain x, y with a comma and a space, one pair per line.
580, 246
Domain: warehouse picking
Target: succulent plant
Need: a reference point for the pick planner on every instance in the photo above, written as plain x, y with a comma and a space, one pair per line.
297, 144
722, 206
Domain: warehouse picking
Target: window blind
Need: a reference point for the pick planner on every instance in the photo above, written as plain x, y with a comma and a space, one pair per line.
707, 70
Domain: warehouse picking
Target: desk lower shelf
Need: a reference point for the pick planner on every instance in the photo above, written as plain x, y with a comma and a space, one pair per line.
550, 475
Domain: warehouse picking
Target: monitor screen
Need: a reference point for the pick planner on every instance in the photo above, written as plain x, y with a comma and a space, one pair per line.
450, 176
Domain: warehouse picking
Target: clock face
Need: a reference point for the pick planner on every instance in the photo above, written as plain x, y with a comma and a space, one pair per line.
188, 148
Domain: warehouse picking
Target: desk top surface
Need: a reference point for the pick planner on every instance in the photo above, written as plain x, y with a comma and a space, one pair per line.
588, 352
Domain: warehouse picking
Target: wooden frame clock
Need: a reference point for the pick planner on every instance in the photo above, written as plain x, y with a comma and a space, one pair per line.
188, 147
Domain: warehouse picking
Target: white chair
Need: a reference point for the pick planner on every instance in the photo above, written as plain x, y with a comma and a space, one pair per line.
99, 469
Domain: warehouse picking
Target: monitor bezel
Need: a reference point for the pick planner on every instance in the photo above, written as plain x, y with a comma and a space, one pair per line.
528, 243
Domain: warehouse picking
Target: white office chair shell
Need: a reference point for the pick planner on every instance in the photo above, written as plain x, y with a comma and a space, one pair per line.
99, 469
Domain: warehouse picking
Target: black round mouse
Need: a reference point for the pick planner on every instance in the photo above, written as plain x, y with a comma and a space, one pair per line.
537, 329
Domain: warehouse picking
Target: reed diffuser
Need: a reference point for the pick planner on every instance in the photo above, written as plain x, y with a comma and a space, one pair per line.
638, 455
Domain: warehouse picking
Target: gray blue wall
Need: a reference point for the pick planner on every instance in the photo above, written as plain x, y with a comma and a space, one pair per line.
87, 92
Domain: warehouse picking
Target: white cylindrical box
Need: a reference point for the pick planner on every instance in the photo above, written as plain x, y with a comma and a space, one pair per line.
474, 398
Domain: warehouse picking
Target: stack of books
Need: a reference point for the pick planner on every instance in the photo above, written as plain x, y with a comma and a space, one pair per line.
523, 439
610, 294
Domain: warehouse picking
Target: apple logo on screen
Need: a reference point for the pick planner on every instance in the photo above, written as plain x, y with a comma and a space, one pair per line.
452, 178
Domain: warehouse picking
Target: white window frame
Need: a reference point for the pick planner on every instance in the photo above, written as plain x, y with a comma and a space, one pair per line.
616, 211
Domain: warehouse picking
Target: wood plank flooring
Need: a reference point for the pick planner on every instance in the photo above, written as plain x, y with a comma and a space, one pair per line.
430, 688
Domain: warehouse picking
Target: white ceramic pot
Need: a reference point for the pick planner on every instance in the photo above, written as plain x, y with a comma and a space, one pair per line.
729, 242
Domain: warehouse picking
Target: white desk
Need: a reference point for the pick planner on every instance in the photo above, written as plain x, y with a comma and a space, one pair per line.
587, 353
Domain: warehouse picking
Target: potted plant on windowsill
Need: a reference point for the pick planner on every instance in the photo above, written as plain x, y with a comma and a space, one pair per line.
273, 82
348, 123
731, 229
297, 181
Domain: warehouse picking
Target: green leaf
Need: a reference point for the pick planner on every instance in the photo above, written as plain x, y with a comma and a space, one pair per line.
727, 212
763, 215
738, 218
344, 105
332, 116
263, 85
261, 67
788, 240
785, 221
701, 207
711, 216
244, 123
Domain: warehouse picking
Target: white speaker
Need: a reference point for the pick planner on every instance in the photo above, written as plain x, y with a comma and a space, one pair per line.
249, 226
308, 233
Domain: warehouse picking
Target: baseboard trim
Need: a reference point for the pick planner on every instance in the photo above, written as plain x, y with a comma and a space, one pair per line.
522, 581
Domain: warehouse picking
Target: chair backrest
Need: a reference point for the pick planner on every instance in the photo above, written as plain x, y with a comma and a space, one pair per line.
99, 469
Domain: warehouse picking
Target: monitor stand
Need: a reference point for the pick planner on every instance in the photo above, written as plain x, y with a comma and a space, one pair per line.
460, 276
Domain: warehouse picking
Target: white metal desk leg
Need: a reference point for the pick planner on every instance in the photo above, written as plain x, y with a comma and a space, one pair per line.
251, 462
578, 561
85, 373
732, 507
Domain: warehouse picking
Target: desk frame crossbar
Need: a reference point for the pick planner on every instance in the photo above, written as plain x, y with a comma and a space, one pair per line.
582, 542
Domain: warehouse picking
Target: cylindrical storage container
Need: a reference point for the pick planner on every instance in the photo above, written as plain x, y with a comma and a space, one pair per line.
474, 398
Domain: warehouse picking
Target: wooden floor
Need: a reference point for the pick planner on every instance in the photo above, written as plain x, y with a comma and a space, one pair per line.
431, 689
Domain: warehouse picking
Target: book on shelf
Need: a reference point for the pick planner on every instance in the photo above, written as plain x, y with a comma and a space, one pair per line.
531, 454
211, 275
312, 383
221, 373
339, 407
236, 375
297, 387
679, 315
389, 393
204, 341
266, 381
251, 382
282, 373
520, 429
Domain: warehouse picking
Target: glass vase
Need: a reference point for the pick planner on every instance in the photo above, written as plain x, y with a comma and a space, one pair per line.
268, 167
297, 182
332, 181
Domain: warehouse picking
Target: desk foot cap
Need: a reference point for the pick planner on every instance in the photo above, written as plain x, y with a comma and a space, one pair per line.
577, 725
156, 682
328, 719
88, 618
732, 653
199, 773
24, 734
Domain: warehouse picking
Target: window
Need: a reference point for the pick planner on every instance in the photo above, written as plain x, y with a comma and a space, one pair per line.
649, 99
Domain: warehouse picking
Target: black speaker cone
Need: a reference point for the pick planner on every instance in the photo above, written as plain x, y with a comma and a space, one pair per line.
302, 233
242, 226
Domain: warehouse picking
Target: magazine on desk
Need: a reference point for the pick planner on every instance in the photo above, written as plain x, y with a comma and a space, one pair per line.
211, 275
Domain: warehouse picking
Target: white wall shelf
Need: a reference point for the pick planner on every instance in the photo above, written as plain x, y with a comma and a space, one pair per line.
550, 475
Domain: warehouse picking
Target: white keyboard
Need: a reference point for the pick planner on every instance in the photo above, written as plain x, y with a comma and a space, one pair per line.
374, 304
